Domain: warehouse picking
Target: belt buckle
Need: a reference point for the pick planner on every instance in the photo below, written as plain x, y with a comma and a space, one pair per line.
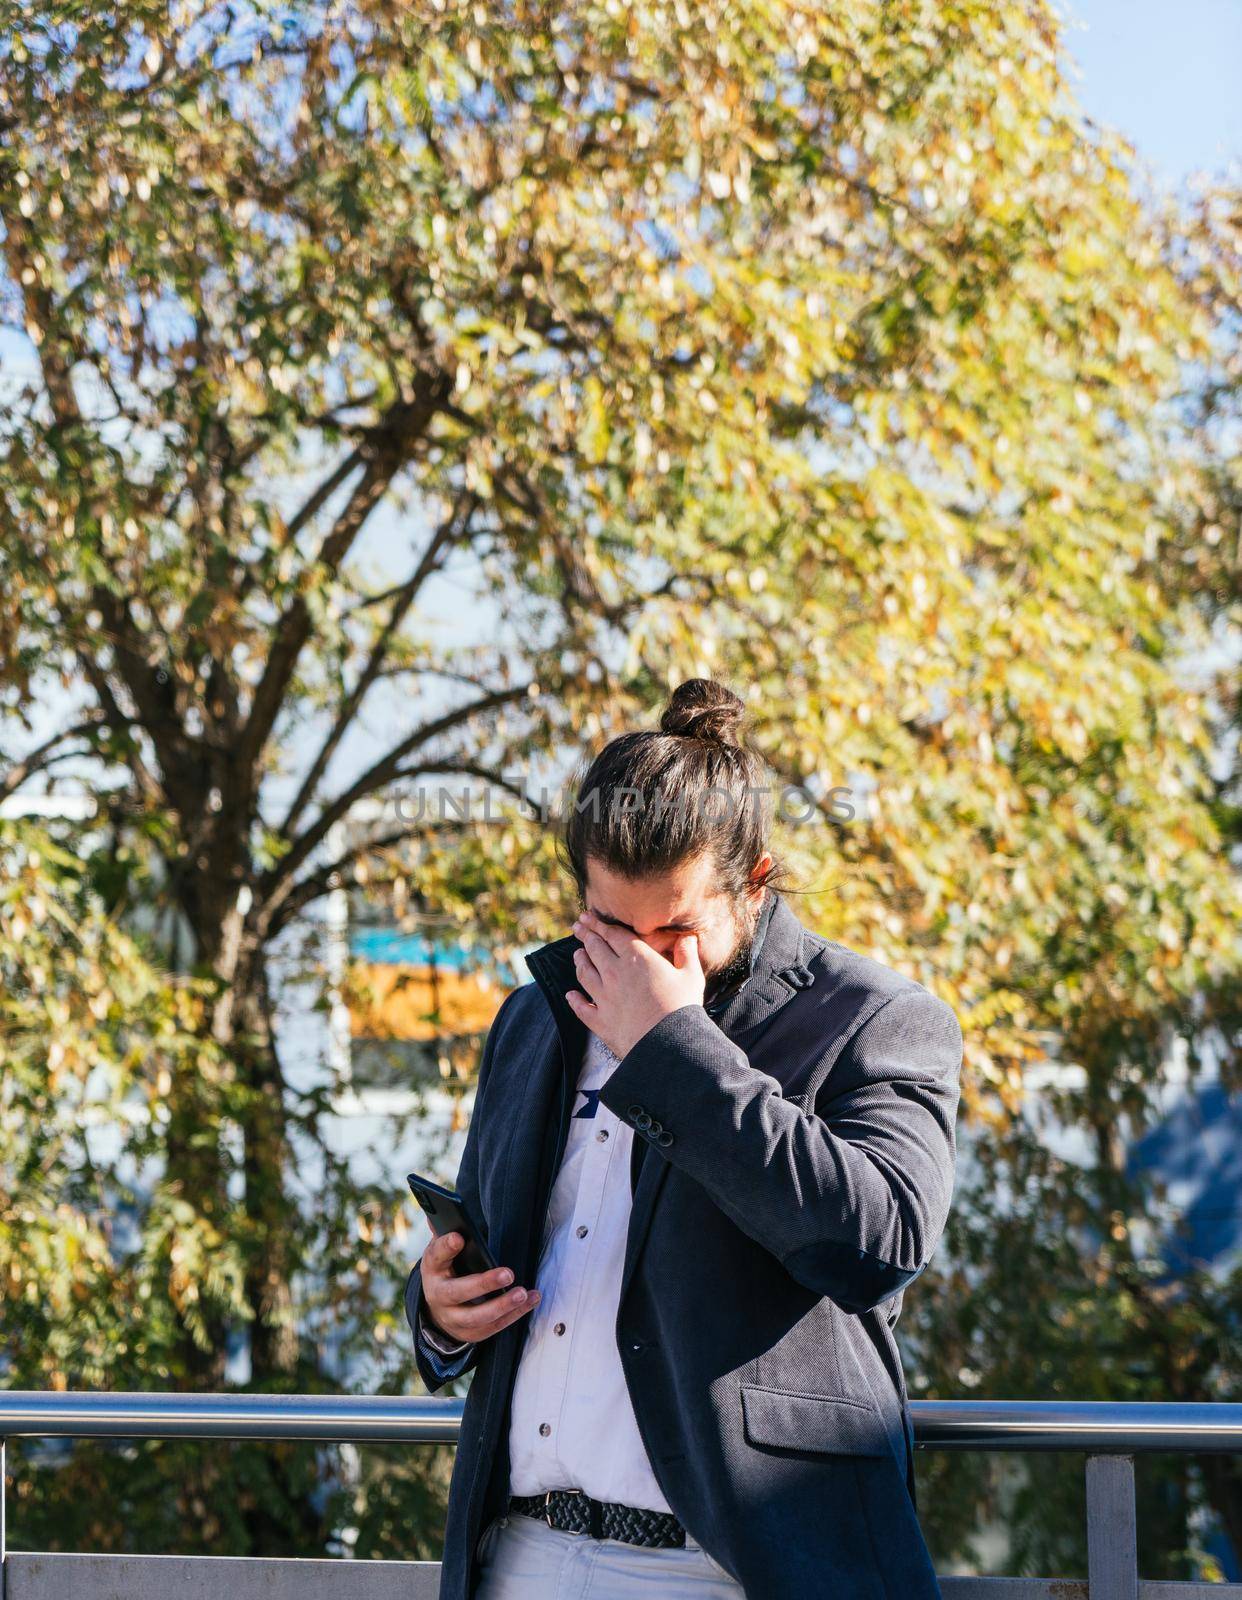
548, 1493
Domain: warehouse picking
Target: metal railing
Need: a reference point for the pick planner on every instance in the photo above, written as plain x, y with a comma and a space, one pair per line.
1109, 1435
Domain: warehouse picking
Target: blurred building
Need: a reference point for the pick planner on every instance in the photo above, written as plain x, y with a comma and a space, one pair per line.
417, 1004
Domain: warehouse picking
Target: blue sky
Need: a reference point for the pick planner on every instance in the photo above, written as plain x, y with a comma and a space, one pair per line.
1165, 73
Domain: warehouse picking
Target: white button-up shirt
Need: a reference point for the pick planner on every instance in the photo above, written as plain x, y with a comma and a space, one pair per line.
572, 1424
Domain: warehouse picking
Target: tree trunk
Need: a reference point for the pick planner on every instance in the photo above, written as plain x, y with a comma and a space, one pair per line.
214, 904
271, 1217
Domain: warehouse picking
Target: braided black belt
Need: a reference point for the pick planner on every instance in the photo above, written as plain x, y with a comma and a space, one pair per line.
575, 1512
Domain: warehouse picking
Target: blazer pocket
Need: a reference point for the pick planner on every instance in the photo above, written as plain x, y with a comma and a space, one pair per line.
832, 1424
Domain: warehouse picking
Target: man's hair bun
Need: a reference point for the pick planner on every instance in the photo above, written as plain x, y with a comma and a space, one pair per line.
703, 709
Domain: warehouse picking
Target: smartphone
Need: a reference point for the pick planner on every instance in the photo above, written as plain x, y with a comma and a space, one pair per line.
446, 1213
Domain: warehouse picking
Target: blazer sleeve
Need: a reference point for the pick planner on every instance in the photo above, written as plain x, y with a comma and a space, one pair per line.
851, 1197
438, 1365
445, 1362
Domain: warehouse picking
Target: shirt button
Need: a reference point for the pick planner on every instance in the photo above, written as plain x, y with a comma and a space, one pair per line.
582, 1231
601, 1135
560, 1328
545, 1428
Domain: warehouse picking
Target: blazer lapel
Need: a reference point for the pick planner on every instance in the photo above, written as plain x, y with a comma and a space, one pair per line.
776, 970
738, 1013
549, 1092
530, 1149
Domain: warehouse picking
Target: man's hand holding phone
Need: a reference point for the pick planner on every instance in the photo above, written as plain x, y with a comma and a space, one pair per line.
446, 1294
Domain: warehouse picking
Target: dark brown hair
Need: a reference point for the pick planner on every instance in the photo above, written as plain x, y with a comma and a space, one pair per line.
651, 800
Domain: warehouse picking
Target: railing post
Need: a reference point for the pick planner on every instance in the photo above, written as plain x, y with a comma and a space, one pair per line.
1112, 1533
4, 1551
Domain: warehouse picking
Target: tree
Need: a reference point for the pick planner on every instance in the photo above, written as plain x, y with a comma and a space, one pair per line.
94, 1037
1118, 1313
820, 348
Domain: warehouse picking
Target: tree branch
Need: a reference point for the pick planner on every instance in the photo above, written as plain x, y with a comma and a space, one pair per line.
383, 456
120, 724
449, 531
154, 694
45, 754
307, 890
278, 882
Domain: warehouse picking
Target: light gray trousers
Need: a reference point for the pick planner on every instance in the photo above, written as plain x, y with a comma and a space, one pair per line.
522, 1558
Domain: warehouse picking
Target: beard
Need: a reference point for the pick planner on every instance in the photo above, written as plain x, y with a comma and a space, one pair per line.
735, 967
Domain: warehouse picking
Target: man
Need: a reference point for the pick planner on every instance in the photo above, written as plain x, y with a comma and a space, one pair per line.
716, 1148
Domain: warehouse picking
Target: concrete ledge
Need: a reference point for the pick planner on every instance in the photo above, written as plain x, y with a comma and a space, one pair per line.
33, 1576
1076, 1589
53, 1576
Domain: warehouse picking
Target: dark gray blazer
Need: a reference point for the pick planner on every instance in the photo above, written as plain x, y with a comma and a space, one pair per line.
792, 1170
